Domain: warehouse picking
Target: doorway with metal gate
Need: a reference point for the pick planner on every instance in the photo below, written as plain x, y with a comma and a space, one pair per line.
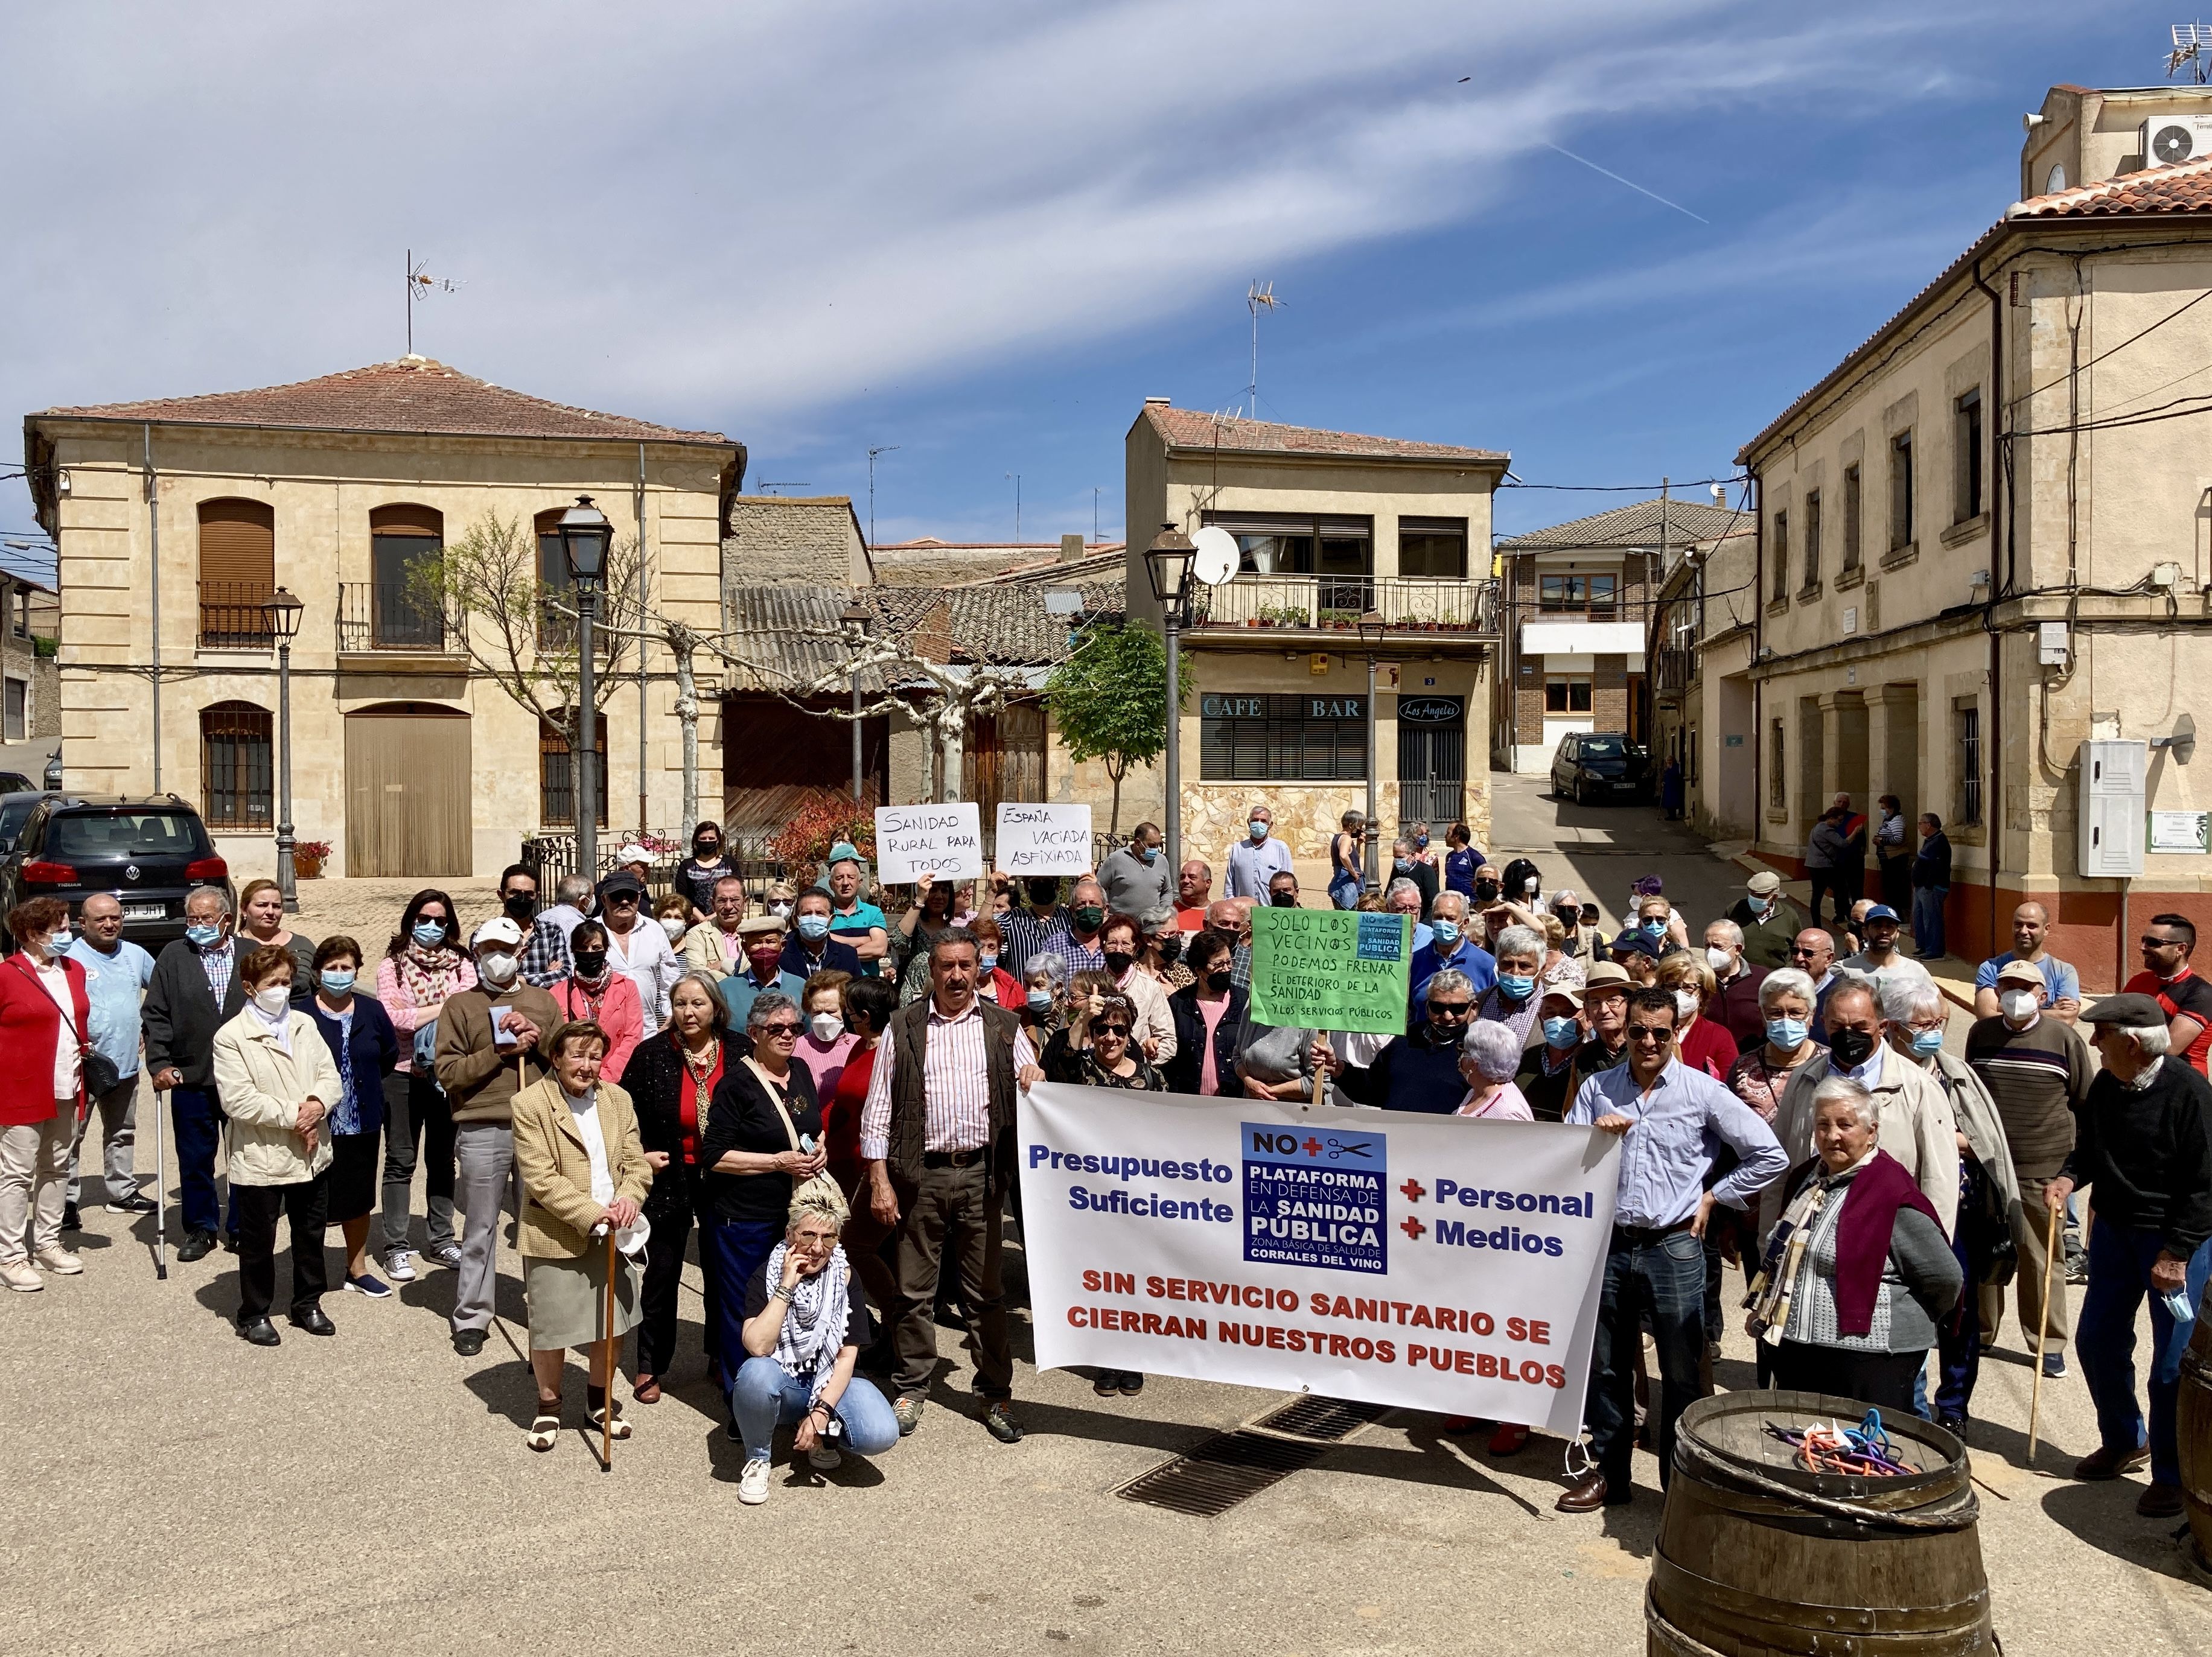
1431, 760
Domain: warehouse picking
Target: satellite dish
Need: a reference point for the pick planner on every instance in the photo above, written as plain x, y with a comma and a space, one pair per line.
1217, 558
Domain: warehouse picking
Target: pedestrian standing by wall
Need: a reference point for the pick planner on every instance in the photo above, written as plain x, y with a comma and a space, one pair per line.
1133, 877
1824, 852
1931, 884
1892, 856
638, 948
194, 992
45, 1013
2061, 985
423, 967
116, 974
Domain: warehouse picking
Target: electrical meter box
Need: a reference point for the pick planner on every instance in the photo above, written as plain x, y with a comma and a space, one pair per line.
2109, 828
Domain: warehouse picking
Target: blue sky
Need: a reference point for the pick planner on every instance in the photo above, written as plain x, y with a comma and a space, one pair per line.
985, 232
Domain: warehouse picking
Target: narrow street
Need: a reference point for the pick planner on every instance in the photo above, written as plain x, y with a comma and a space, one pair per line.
1600, 850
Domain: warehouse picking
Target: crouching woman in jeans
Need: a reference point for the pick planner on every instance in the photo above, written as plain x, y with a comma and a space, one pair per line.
806, 1318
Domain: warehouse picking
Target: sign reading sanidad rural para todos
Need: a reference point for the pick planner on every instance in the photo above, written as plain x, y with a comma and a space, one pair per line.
943, 841
1441, 1262
1332, 969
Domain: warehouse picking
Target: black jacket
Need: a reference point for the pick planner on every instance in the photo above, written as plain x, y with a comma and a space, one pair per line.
2146, 1158
742, 1117
1931, 864
1181, 1071
181, 1015
655, 1079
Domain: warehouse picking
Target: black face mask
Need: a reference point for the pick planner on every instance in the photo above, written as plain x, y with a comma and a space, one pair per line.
1171, 949
521, 906
705, 850
1219, 980
1485, 892
1119, 962
590, 964
1851, 1049
1043, 892
1284, 900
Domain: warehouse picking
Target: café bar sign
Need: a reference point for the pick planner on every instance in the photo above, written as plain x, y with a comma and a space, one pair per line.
1266, 706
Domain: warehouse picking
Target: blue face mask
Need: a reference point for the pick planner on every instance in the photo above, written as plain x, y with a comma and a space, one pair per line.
1445, 931
1256, 828
814, 928
1926, 1044
1561, 1032
1654, 930
984, 963
1421, 840
1787, 1033
1515, 988
1402, 863
1150, 854
204, 935
429, 933
1039, 1000
337, 981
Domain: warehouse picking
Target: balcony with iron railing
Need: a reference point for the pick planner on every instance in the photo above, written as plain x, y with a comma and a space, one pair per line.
1333, 604
378, 616
231, 616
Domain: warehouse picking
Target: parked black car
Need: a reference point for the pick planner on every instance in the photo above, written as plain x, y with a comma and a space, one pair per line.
1591, 766
149, 852
14, 782
16, 807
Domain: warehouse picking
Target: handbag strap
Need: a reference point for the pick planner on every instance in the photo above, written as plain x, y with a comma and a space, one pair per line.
775, 1091
69, 1017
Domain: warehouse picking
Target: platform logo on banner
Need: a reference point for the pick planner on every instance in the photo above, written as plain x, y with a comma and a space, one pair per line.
1314, 1197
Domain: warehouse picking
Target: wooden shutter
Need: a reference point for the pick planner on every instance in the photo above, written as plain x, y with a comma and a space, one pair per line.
238, 547
407, 520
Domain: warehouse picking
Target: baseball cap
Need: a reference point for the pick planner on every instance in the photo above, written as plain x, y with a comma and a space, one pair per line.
1764, 884
2020, 972
1879, 912
1568, 993
844, 851
498, 929
1602, 974
632, 852
621, 882
1634, 940
2139, 1011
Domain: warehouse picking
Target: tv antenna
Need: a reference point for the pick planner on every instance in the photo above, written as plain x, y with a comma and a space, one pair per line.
2190, 40
1017, 476
419, 286
1260, 296
880, 448
780, 483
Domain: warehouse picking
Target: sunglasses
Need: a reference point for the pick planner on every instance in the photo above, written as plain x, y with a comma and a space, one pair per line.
1109, 1030
1647, 1033
780, 1029
1449, 1008
2149, 943
622, 900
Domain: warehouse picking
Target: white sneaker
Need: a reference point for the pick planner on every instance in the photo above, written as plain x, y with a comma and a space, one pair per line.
20, 1275
752, 1483
59, 1261
823, 1460
399, 1265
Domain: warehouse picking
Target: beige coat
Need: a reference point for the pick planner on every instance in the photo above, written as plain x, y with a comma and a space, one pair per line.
1155, 1020
262, 1087
702, 951
557, 1210
1914, 1123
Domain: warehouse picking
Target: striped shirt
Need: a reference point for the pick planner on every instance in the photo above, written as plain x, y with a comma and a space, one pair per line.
1021, 935
955, 1085
2039, 1078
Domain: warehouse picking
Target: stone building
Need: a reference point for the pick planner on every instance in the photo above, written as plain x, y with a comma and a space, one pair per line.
177, 518
31, 712
1330, 525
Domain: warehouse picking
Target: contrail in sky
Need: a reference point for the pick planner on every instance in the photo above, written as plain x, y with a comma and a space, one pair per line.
1631, 183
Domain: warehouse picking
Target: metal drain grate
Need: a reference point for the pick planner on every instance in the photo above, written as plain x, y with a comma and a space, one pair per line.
1215, 1474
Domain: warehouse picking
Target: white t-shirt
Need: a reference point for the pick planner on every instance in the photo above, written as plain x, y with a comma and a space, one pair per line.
67, 1060
586, 1113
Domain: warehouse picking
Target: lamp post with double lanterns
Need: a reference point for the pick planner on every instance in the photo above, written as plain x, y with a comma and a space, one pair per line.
1167, 565
585, 533
1370, 634
282, 610
855, 622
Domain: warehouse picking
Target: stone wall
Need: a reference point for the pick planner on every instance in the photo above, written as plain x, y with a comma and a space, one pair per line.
1306, 814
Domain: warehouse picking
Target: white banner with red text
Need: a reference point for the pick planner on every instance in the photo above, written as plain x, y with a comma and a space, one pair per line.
1440, 1262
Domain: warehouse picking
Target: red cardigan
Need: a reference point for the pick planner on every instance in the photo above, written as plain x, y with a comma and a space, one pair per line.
30, 1023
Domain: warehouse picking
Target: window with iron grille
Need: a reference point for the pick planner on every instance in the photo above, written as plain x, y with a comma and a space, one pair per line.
1966, 431
1850, 518
1812, 538
1968, 719
556, 776
237, 765
1282, 737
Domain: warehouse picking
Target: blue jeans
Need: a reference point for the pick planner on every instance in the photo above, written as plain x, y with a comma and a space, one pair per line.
729, 1254
2105, 1341
198, 1121
767, 1395
1928, 918
1344, 890
1959, 1333
1666, 1278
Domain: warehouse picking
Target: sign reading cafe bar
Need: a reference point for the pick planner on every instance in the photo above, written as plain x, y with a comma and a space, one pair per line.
1434, 1261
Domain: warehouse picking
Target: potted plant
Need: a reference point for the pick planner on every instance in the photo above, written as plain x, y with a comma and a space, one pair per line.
308, 857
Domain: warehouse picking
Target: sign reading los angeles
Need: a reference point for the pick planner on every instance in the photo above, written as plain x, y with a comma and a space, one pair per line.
1441, 1262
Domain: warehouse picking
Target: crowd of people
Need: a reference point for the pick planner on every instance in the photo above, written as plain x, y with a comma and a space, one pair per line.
821, 1085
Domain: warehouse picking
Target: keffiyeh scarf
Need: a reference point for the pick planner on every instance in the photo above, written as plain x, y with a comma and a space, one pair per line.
813, 1329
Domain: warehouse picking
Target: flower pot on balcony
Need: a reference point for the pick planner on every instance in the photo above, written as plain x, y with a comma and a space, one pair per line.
307, 868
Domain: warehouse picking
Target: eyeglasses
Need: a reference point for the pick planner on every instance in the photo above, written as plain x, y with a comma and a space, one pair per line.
1109, 1030
2150, 943
622, 900
1450, 1009
780, 1029
1654, 1033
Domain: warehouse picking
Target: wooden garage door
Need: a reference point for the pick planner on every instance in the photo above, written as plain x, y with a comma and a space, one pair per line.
407, 792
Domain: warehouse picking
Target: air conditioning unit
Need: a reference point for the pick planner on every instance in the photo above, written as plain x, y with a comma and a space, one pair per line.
2167, 139
2110, 829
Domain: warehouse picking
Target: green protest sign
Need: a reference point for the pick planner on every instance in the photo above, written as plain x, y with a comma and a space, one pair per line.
1332, 969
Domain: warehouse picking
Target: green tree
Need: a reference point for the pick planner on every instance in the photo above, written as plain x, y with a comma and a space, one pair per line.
1110, 699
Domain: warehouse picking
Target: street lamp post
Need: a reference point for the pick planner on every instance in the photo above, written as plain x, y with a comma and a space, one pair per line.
1370, 634
585, 533
1167, 565
855, 622
282, 611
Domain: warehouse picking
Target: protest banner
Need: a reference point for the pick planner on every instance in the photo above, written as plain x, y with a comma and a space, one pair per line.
1332, 969
1435, 1261
1042, 840
944, 841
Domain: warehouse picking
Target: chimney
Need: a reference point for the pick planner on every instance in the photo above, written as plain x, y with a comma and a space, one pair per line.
1157, 402
1720, 496
1070, 549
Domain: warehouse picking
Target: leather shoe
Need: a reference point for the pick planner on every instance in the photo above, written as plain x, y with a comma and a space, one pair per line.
468, 1342
1587, 1494
2160, 1501
2111, 1463
315, 1321
197, 1246
261, 1332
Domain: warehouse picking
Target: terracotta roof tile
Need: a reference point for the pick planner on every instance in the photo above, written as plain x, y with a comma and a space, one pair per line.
1637, 525
411, 394
2184, 187
1192, 429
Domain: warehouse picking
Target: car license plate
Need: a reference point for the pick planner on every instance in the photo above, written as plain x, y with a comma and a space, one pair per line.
146, 912
1625, 787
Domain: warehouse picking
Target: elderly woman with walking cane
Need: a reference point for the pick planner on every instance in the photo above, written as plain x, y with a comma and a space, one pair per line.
583, 1179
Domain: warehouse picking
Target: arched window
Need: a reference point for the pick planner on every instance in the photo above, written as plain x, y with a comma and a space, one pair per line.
237, 572
555, 632
402, 538
556, 774
237, 764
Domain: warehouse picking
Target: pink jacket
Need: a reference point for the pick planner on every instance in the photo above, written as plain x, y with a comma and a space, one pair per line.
620, 1014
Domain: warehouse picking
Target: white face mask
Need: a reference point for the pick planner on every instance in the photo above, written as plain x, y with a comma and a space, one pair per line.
1719, 960
674, 926
497, 970
273, 1000
2019, 1004
827, 1027
1685, 1001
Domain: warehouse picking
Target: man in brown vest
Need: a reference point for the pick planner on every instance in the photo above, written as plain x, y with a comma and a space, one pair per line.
937, 1130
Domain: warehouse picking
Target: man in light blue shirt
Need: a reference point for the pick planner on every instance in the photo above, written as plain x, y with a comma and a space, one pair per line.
116, 973
1448, 945
1673, 1123
1257, 858
2062, 985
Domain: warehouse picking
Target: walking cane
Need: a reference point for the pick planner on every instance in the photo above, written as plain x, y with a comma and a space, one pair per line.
607, 1421
2042, 1335
160, 1196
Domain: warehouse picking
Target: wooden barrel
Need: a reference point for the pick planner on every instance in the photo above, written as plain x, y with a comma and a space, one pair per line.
1757, 1557
2192, 1425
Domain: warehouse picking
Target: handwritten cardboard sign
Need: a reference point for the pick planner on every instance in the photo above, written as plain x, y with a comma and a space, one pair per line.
944, 841
1043, 840
1332, 969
